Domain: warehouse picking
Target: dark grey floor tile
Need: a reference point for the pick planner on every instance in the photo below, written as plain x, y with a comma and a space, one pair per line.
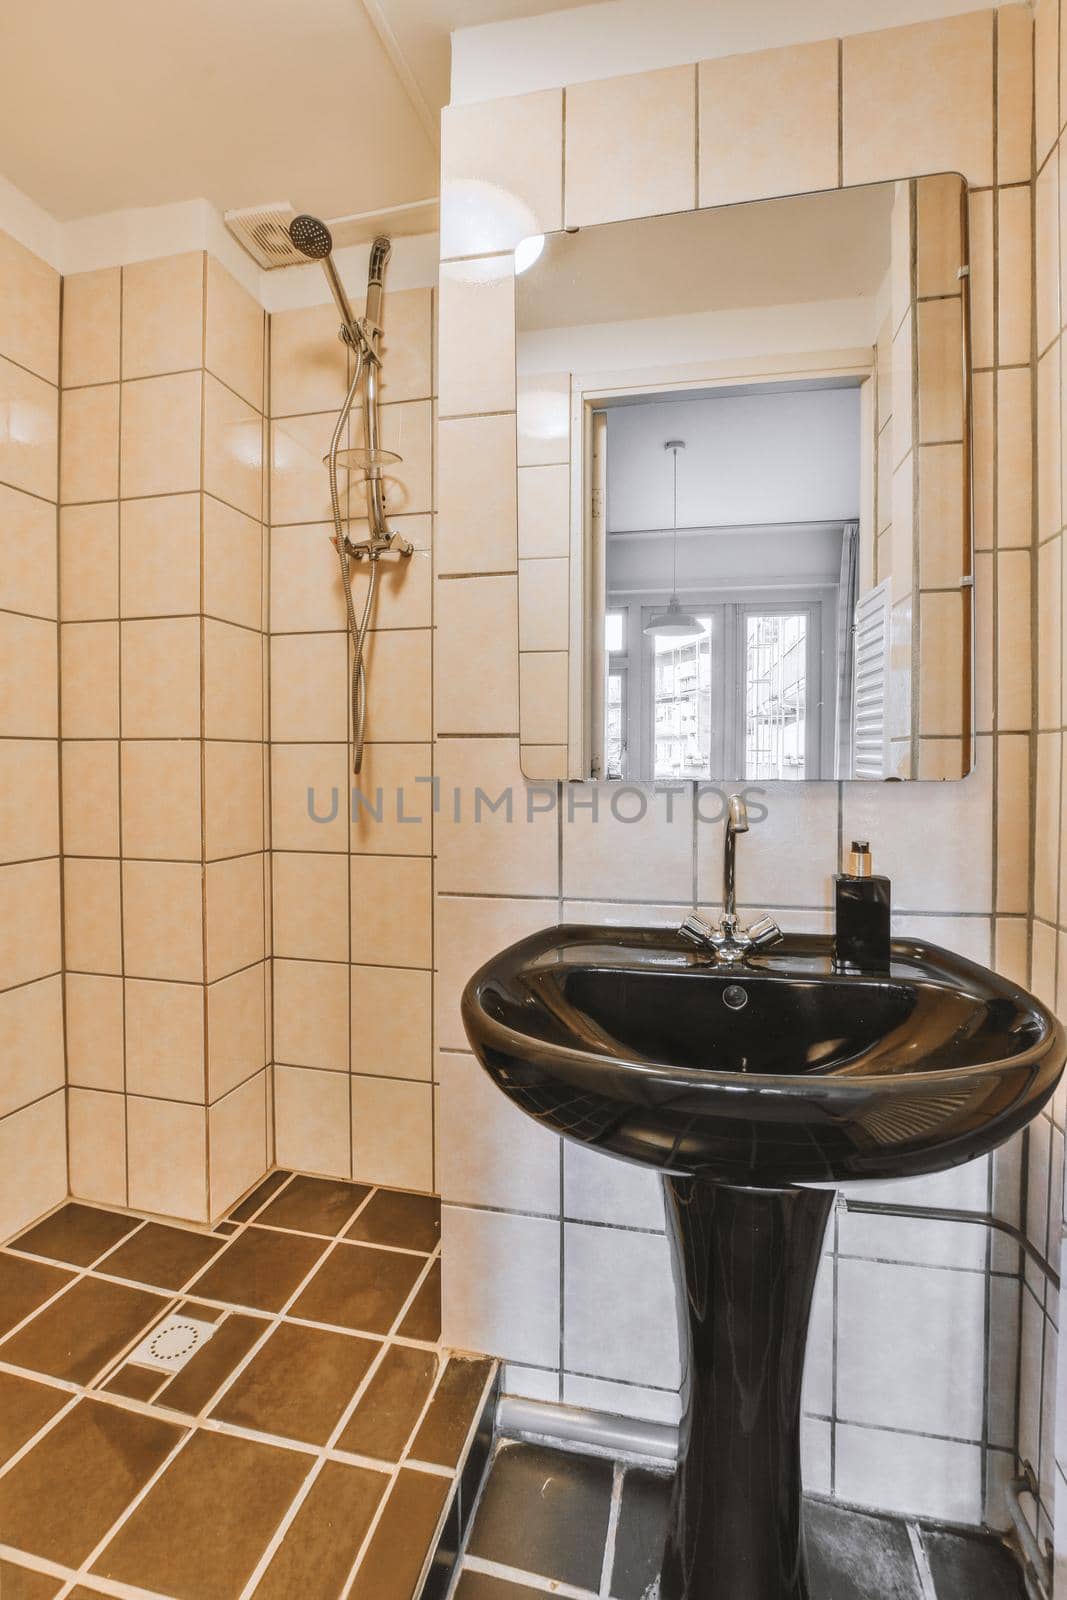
480, 1586
641, 1532
546, 1512
966, 1566
854, 1556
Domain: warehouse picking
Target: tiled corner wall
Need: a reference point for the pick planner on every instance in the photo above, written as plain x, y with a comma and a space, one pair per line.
352, 857
1043, 1423
163, 735
33, 1157
555, 1259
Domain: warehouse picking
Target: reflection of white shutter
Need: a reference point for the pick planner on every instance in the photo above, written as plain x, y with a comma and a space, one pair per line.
869, 688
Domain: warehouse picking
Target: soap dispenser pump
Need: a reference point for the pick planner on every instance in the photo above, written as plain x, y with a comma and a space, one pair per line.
862, 910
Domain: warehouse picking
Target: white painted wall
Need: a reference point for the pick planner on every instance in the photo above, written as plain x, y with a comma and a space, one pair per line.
618, 36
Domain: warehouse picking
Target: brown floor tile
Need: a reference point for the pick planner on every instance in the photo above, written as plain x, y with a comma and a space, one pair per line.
395, 1217
76, 1336
261, 1193
61, 1498
260, 1269
358, 1288
316, 1555
20, 1583
455, 1405
25, 1285
298, 1384
201, 1312
423, 1318
25, 1407
225, 1227
203, 1526
192, 1388
75, 1233
162, 1256
382, 1423
136, 1383
315, 1205
403, 1538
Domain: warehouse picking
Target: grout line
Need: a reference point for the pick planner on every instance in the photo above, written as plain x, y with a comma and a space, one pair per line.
608, 1565
922, 1565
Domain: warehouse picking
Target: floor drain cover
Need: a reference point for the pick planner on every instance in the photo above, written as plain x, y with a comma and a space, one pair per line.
170, 1345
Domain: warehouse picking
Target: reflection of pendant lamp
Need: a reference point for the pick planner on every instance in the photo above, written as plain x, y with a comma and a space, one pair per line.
674, 622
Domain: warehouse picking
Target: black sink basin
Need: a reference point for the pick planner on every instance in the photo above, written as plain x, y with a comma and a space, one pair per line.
742, 1083
781, 1070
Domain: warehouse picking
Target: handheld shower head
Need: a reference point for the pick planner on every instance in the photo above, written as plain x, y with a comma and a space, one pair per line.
314, 240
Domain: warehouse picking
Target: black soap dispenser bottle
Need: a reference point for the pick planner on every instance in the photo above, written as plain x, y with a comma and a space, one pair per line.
862, 909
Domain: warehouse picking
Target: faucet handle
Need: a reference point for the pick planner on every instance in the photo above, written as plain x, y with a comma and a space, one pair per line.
697, 928
764, 931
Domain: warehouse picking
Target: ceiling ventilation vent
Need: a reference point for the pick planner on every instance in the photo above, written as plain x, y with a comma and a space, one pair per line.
264, 230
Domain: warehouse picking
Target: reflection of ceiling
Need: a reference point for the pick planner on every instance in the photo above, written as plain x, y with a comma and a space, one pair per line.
822, 247
330, 104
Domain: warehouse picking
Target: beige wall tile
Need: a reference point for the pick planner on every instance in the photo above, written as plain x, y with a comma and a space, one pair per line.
92, 309
543, 762
233, 799
236, 1016
28, 677
476, 495
944, 555
983, 444
299, 482
311, 1014
631, 146
1049, 443
919, 99
1046, 100
477, 690
29, 799
94, 1013
233, 565
543, 689
163, 920
1047, 826
391, 915
161, 679
233, 682
31, 1042
96, 1128
235, 914
1014, 261
90, 673
941, 379
237, 1134
165, 1039
799, 827
160, 435
544, 511
167, 1156
233, 449
1047, 252
768, 123
392, 1133
984, 647
1013, 640
399, 677
28, 445
982, 282
305, 581
407, 429
1014, 458
1013, 823
476, 337
27, 553
234, 329
544, 604
33, 1162
512, 850
308, 687
309, 796
1049, 643
160, 556
311, 1121
161, 799
543, 419
501, 172
29, 314
405, 586
308, 362
942, 691
89, 444
90, 797
163, 315
469, 931
92, 915
938, 234
1015, 81
391, 1022
407, 345
398, 821
310, 902
89, 562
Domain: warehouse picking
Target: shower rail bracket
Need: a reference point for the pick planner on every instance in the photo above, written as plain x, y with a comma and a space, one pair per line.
374, 548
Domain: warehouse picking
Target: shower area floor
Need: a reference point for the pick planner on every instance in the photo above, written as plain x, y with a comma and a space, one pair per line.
302, 1431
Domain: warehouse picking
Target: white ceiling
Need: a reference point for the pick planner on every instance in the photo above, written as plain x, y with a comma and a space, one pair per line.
330, 104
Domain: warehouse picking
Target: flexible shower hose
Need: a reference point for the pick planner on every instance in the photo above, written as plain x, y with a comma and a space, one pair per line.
357, 626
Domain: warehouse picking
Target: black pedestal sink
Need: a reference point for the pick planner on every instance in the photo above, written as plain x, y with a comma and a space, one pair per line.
742, 1084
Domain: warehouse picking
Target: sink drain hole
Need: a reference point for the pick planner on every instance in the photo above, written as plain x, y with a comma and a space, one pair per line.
735, 997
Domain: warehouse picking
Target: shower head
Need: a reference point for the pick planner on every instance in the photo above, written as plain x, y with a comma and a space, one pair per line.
311, 237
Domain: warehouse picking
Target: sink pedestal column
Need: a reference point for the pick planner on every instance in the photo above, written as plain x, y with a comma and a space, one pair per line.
747, 1259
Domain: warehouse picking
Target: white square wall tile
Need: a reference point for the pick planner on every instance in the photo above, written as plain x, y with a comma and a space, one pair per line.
936, 1478
598, 1188
623, 1399
494, 834
500, 1285
489, 1152
789, 854
620, 1306
628, 841
469, 931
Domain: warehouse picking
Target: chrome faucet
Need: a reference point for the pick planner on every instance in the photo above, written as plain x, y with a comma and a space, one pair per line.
728, 941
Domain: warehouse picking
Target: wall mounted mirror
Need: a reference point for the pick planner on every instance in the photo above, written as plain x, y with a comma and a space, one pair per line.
745, 546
